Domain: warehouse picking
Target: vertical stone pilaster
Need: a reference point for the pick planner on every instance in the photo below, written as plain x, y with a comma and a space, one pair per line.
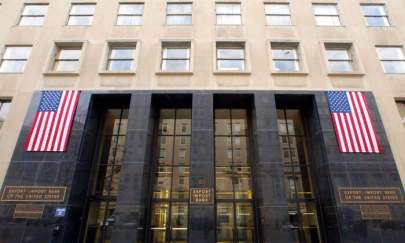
202, 171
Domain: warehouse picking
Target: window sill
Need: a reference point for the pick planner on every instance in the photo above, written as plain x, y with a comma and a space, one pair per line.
218, 72
348, 74
8, 73
290, 73
55, 73
107, 73
174, 73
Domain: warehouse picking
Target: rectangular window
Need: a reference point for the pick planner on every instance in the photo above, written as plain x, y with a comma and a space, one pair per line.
401, 109
228, 13
67, 58
130, 14
14, 59
179, 14
392, 59
176, 56
121, 58
285, 57
81, 14
277, 13
231, 56
375, 15
326, 14
339, 58
4, 108
33, 15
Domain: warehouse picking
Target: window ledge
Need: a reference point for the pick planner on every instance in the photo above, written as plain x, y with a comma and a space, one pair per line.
174, 73
55, 73
290, 73
8, 73
348, 74
106, 73
218, 72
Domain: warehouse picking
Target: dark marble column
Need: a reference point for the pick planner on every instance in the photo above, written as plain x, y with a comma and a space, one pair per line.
202, 171
133, 189
268, 172
336, 169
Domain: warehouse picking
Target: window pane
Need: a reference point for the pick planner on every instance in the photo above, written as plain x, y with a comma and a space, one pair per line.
162, 184
131, 9
83, 9
122, 53
225, 222
173, 8
167, 121
237, 65
286, 66
129, 20
224, 187
324, 9
284, 54
12, 66
277, 9
80, 20
228, 8
173, 53
377, 21
178, 20
231, 53
17, 52
244, 215
72, 54
221, 151
229, 19
390, 53
175, 65
4, 108
394, 66
180, 182
337, 54
66, 66
243, 183
179, 222
340, 66
278, 20
31, 21
328, 20
374, 10
120, 65
35, 9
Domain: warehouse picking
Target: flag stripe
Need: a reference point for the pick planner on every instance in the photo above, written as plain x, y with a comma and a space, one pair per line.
354, 128
51, 128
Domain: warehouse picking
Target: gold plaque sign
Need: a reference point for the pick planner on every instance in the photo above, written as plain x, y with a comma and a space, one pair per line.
201, 196
370, 195
373, 212
33, 194
28, 211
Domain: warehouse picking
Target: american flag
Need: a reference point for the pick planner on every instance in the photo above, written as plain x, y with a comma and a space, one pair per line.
50, 130
354, 128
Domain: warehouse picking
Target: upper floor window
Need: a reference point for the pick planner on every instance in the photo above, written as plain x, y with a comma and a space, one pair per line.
121, 58
339, 57
375, 14
67, 58
130, 14
277, 13
33, 14
231, 56
14, 59
228, 14
81, 14
176, 56
285, 57
4, 107
326, 14
179, 14
392, 59
401, 109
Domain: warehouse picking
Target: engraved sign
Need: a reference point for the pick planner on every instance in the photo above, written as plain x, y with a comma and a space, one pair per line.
33, 194
370, 195
28, 211
375, 212
201, 196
